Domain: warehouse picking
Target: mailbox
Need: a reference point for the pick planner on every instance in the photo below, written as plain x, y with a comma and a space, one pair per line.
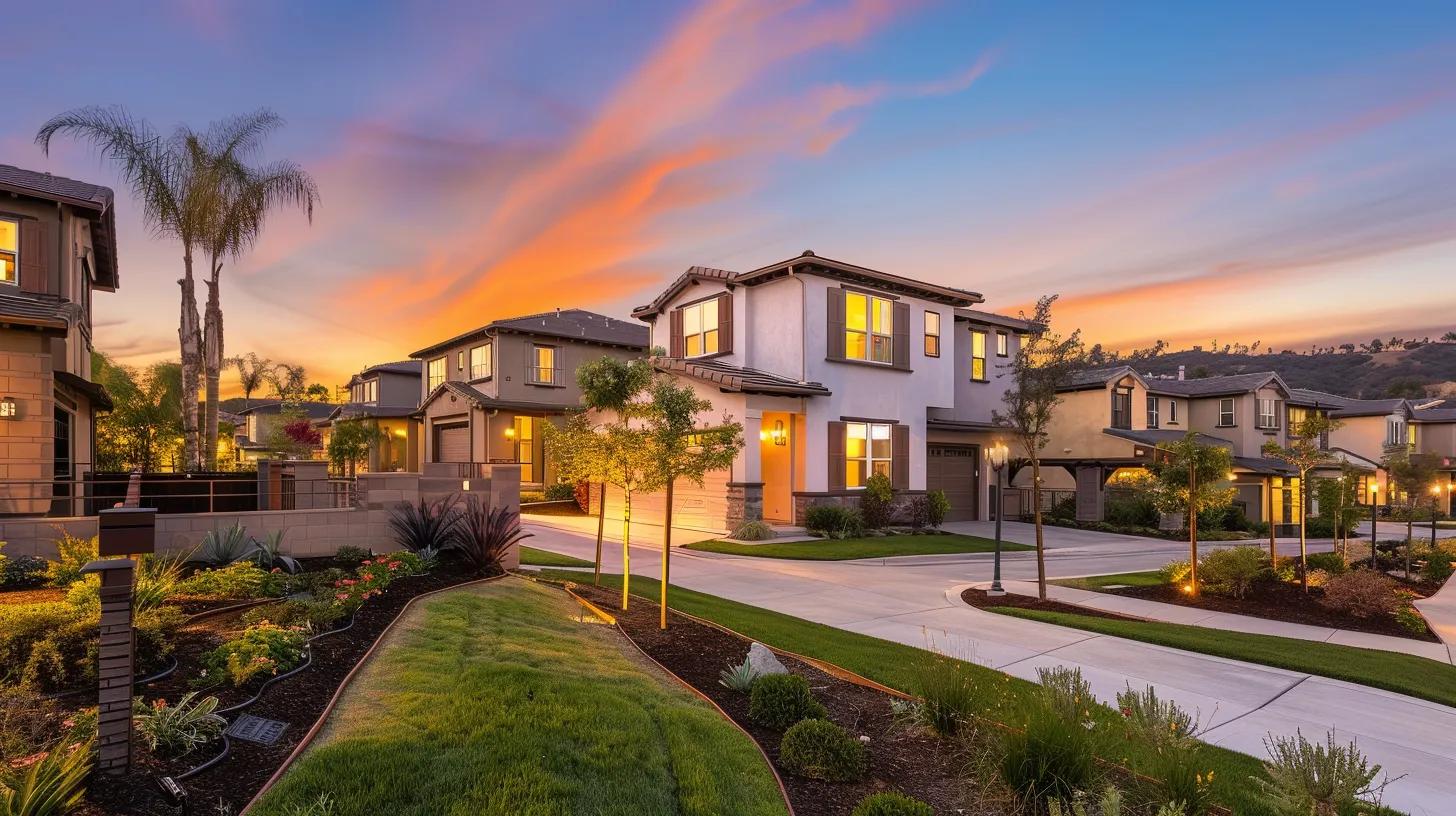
127, 531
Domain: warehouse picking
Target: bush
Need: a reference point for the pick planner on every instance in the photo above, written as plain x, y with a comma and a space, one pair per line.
1134, 511
1331, 562
1174, 572
425, 525
877, 503
780, 700
72, 554
1048, 756
1232, 571
950, 696
317, 616
262, 649
52, 646
917, 512
937, 506
27, 721
486, 534
891, 803
1411, 620
1362, 593
833, 520
372, 577
22, 571
1319, 527
222, 547
241, 579
753, 531
350, 554
1439, 566
178, 729
1063, 509
1173, 763
1306, 777
819, 749
561, 491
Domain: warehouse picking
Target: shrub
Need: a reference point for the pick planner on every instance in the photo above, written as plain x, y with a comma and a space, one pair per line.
1063, 509
268, 554
27, 721
1153, 720
156, 581
486, 534
1439, 566
1319, 527
373, 576
1049, 756
738, 678
877, 503
819, 749
47, 784
753, 531
937, 506
222, 547
52, 646
1362, 593
917, 512
318, 616
780, 700
891, 803
174, 730
833, 520
1135, 511
1331, 562
561, 491
1411, 620
1066, 692
425, 524
72, 554
1174, 572
950, 696
1232, 571
241, 579
1173, 763
1323, 779
22, 571
261, 649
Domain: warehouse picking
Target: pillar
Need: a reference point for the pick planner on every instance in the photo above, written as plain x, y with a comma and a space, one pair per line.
1089, 493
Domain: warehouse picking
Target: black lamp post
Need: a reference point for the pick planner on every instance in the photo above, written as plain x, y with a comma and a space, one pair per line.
1374, 512
997, 453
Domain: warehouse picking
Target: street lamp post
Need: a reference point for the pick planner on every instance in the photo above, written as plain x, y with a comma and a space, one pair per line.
998, 453
1374, 513
1340, 530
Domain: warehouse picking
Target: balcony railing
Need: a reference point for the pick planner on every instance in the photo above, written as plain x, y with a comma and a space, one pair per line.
543, 375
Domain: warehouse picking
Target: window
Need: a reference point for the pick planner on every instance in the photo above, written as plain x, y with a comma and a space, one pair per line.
1122, 407
9, 251
978, 356
1396, 432
867, 450
543, 365
1172, 412
366, 392
932, 334
435, 373
524, 432
480, 362
1226, 413
1152, 411
700, 328
460, 360
1268, 418
1003, 344
868, 331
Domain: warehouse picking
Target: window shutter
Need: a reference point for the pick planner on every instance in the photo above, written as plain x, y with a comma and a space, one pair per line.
675, 333
34, 257
900, 457
900, 335
725, 322
836, 454
834, 333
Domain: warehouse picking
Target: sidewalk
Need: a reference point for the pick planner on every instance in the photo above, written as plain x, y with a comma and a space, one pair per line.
1229, 622
1440, 612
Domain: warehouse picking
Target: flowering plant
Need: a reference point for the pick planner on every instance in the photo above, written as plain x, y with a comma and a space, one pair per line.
264, 648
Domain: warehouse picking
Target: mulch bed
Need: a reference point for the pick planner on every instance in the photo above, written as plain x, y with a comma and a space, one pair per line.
297, 700
979, 599
902, 759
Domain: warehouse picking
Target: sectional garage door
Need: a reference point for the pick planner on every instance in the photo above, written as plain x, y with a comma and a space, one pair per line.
953, 469
452, 443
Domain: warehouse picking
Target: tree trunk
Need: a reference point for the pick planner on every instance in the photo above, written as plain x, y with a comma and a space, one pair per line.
1303, 548
1041, 578
189, 335
626, 545
666, 553
601, 528
1410, 521
212, 368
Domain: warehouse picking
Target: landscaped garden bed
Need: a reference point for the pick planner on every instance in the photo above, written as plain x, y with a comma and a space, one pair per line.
844, 549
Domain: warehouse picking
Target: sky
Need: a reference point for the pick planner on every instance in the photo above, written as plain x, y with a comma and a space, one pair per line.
1194, 173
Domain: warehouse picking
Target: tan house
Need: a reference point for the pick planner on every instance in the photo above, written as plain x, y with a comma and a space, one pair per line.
387, 395
264, 419
1371, 430
57, 246
485, 393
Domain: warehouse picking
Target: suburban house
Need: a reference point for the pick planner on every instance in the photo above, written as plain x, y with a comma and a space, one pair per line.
485, 393
836, 372
387, 395
262, 420
1370, 430
57, 246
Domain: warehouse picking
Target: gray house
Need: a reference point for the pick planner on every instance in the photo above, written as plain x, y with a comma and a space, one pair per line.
388, 395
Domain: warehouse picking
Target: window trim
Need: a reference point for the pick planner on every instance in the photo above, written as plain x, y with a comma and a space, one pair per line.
985, 367
488, 365
1232, 413
870, 335
702, 333
929, 335
1003, 344
430, 383
14, 254
533, 366
1121, 394
1172, 412
1272, 416
1153, 413
869, 457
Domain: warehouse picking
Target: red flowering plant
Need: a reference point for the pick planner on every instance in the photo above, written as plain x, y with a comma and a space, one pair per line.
373, 576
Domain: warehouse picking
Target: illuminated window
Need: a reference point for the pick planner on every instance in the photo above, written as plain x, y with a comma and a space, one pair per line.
1268, 418
480, 362
867, 450
9, 251
367, 392
1152, 411
543, 365
868, 328
700, 328
932, 334
525, 436
1226, 413
978, 356
435, 373
1003, 344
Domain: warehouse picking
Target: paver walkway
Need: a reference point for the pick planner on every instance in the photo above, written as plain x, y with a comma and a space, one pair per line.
916, 601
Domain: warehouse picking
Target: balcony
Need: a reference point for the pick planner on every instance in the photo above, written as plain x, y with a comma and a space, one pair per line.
544, 375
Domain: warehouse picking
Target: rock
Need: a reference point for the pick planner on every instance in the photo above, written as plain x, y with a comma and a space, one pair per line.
764, 661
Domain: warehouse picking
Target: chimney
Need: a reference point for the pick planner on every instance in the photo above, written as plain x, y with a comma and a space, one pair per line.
1180, 372
558, 311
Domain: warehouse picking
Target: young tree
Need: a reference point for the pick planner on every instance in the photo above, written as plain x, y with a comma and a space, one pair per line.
144, 427
350, 441
1449, 337
1304, 454
1190, 477
252, 373
1411, 477
1339, 499
318, 392
1043, 365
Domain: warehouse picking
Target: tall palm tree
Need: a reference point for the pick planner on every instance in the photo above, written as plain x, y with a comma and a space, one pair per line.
177, 195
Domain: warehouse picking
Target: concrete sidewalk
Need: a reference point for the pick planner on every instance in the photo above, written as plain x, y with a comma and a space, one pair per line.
1440, 613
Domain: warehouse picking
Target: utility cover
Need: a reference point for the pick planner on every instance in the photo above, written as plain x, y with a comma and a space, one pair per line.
256, 729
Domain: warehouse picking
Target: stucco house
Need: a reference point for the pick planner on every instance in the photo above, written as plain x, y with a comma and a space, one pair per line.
1371, 430
57, 247
263, 418
485, 393
388, 395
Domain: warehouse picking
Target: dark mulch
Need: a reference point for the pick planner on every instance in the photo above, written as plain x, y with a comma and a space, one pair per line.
297, 700
978, 598
902, 759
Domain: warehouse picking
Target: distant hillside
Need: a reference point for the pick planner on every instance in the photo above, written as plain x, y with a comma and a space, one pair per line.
1403, 372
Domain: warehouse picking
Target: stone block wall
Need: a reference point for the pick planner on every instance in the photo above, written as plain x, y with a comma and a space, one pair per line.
26, 440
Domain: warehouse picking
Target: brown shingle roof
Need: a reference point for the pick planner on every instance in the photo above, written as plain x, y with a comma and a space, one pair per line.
738, 379
83, 195
44, 312
567, 324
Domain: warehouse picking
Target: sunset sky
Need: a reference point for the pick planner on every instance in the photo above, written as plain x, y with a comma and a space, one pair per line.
1235, 171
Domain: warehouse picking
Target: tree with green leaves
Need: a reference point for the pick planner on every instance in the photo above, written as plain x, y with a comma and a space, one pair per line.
1190, 477
144, 428
1044, 364
1411, 477
289, 382
350, 440
252, 374
1304, 454
1339, 499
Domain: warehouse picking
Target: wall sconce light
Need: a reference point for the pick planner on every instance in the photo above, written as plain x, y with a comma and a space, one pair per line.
465, 485
9, 408
510, 433
778, 435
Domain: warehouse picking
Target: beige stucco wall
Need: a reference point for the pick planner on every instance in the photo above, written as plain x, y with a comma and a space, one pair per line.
1363, 436
1077, 425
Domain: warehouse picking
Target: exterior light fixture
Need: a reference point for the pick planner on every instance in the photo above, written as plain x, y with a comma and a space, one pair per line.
998, 454
778, 435
465, 485
9, 408
510, 433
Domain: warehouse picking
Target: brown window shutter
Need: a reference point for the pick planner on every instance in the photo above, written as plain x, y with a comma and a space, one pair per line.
834, 334
725, 322
900, 457
34, 257
675, 335
836, 455
900, 335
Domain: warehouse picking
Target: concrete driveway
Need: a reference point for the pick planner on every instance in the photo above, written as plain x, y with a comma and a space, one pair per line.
916, 601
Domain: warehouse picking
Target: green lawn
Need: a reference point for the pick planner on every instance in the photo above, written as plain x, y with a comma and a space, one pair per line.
497, 700
546, 558
1095, 582
894, 665
825, 549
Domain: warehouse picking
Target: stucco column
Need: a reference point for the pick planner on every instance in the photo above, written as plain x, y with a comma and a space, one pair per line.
1089, 493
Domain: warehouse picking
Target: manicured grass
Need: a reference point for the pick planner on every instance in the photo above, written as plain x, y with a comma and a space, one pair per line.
895, 665
546, 558
1095, 582
825, 549
1404, 674
497, 700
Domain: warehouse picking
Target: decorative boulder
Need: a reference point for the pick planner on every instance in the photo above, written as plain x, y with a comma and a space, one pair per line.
764, 661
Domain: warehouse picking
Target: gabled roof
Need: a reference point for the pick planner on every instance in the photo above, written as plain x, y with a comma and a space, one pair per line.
1155, 437
96, 200
681, 282
484, 400
1093, 378
312, 410
45, 313
1217, 386
353, 410
1434, 415
1318, 399
414, 367
1367, 408
993, 319
568, 324
737, 379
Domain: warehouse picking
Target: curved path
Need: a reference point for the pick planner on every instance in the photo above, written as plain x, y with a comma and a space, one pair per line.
916, 601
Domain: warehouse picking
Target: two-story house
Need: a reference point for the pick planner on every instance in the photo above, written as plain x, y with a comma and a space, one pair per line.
258, 434
1370, 431
387, 395
57, 247
484, 393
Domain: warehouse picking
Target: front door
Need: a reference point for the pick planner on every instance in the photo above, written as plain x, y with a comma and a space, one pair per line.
776, 465
955, 470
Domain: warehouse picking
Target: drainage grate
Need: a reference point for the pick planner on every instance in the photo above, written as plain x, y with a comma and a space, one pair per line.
256, 729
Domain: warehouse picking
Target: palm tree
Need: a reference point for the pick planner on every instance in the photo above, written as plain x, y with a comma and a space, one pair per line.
252, 373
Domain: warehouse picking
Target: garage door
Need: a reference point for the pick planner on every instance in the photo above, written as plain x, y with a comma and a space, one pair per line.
953, 469
452, 443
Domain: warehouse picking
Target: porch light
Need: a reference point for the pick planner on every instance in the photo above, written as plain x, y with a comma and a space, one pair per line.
510, 433
9, 409
1231, 476
778, 435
